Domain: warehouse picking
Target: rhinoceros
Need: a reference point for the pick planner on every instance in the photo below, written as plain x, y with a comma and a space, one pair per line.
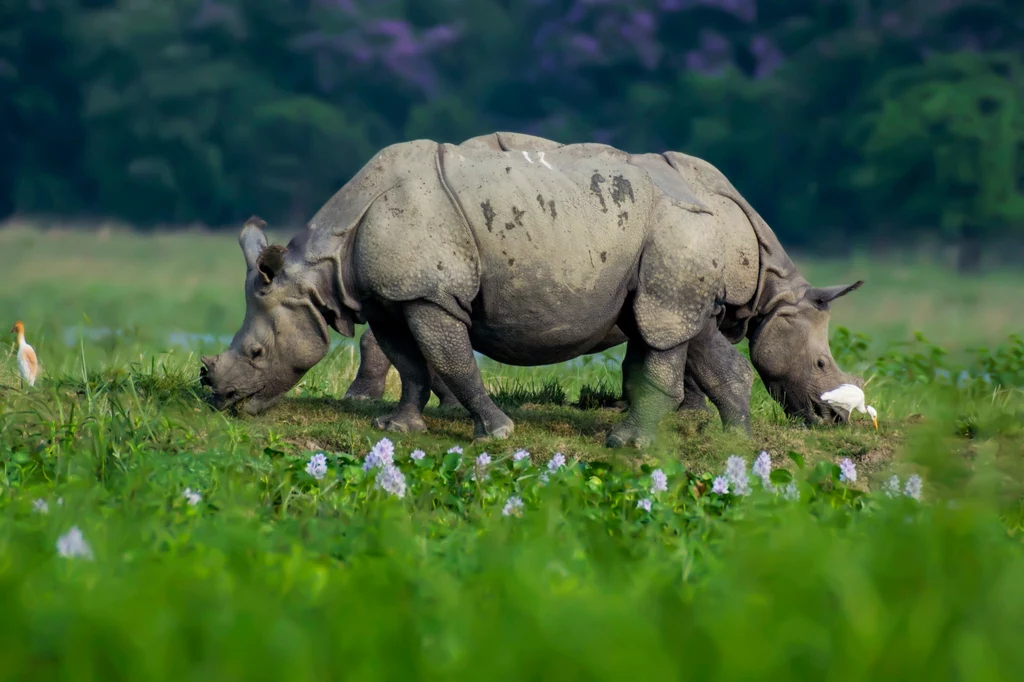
717, 371
530, 257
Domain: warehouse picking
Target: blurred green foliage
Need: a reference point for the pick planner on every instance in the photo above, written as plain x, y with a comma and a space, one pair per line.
842, 121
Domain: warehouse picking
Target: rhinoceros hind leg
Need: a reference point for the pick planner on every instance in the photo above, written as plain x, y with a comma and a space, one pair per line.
722, 372
443, 393
655, 389
444, 341
373, 370
399, 346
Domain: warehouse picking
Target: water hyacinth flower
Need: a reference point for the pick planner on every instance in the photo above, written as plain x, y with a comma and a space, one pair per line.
456, 449
391, 479
914, 487
720, 486
520, 455
39, 506
382, 455
513, 507
644, 504
659, 481
317, 466
791, 492
417, 455
891, 488
194, 497
481, 466
72, 544
736, 473
556, 462
847, 471
763, 470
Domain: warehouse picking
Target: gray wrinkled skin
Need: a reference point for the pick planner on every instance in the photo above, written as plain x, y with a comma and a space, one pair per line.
530, 258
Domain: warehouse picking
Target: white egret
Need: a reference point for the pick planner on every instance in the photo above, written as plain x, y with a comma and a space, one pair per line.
850, 398
28, 365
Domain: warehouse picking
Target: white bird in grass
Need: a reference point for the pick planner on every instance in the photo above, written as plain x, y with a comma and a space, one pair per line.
28, 365
850, 398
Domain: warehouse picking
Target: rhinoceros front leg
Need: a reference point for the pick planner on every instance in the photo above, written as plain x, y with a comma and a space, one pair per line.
655, 388
693, 396
722, 372
444, 341
401, 349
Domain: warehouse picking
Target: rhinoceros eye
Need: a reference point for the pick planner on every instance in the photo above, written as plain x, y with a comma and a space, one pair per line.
821, 363
256, 351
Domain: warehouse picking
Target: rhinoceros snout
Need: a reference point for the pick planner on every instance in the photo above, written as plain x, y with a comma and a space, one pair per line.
204, 371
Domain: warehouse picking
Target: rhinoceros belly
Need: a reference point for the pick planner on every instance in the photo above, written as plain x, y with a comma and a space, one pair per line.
559, 235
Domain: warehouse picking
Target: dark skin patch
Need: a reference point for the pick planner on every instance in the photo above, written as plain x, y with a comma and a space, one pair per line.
540, 200
714, 263
623, 217
511, 262
440, 265
395, 211
517, 217
604, 256
488, 215
746, 261
622, 188
508, 169
595, 186
551, 208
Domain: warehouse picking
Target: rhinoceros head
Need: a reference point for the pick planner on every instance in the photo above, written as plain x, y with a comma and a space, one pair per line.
790, 351
283, 334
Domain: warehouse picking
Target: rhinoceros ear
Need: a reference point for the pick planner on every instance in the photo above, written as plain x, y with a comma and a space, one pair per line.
822, 296
252, 240
271, 262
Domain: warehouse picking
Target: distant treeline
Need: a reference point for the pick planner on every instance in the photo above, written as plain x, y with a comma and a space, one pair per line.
843, 121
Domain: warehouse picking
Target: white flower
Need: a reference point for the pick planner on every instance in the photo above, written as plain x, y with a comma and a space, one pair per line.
417, 455
644, 504
659, 481
720, 486
456, 449
391, 479
60, 501
891, 488
317, 466
194, 497
73, 544
847, 471
382, 455
514, 506
914, 487
556, 462
791, 492
736, 473
41, 506
520, 455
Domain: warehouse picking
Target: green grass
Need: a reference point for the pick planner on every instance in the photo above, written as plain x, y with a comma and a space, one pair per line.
276, 574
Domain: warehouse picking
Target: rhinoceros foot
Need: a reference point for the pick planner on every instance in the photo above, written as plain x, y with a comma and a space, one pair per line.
625, 435
498, 427
401, 422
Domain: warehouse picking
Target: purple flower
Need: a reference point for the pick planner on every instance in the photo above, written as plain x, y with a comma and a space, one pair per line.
382, 455
417, 455
659, 481
514, 506
720, 486
847, 471
736, 473
317, 466
891, 488
456, 449
791, 492
556, 462
763, 470
73, 544
644, 504
520, 455
391, 479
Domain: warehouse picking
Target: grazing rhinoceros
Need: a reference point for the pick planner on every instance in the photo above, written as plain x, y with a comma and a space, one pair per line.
717, 371
530, 258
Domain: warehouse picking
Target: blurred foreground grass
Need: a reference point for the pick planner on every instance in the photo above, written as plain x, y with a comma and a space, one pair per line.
274, 573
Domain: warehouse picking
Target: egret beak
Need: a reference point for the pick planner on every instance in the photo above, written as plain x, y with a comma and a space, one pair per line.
875, 420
